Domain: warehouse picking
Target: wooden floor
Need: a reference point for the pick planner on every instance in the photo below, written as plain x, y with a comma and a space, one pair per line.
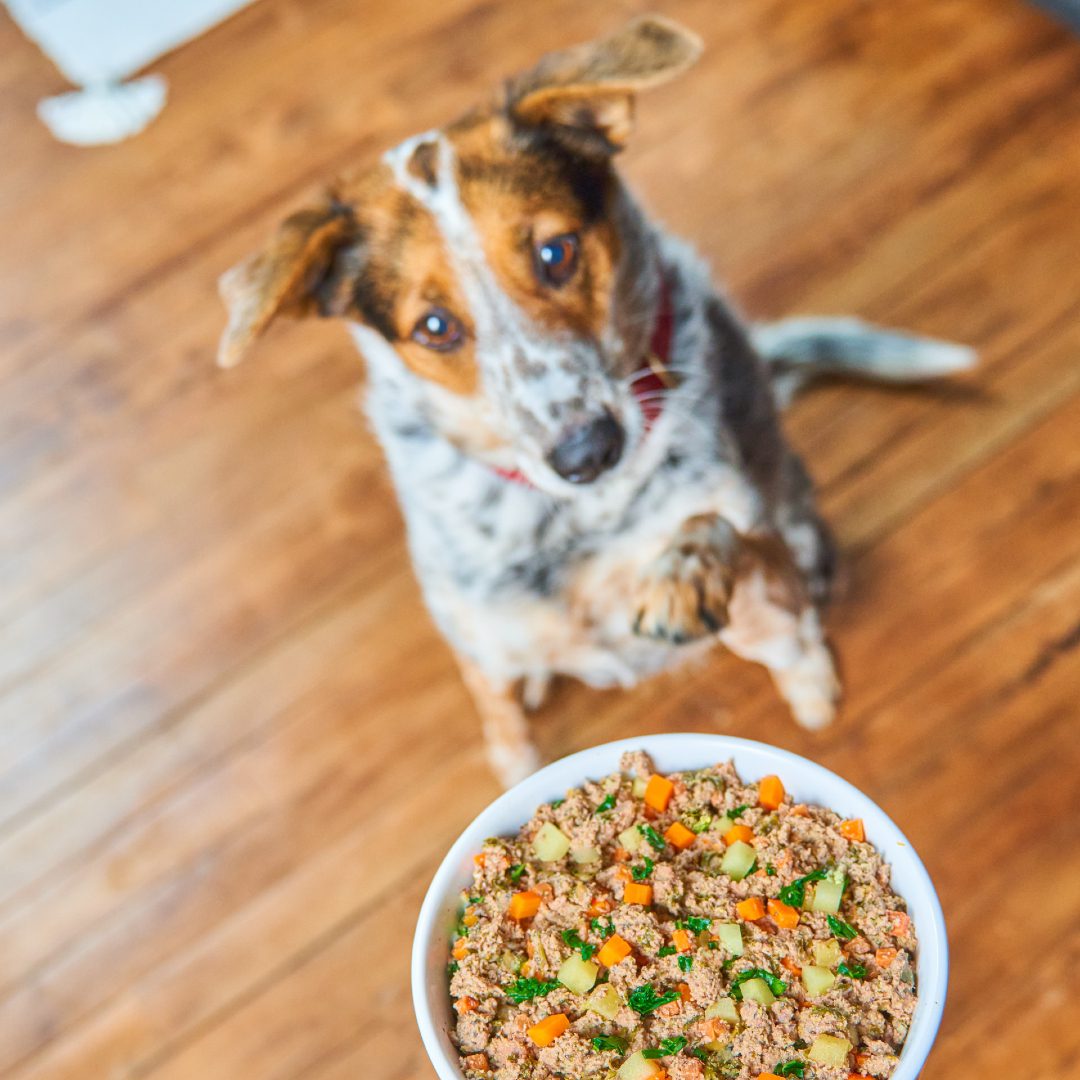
232, 747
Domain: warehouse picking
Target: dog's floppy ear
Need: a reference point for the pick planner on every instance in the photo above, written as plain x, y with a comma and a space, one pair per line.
584, 96
283, 278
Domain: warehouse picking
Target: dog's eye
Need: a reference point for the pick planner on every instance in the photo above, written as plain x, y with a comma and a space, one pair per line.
556, 259
439, 330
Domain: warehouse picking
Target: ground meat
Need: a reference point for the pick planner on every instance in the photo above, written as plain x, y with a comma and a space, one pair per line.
683, 991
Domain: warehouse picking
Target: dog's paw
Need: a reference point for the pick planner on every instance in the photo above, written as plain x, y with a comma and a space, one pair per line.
684, 595
811, 688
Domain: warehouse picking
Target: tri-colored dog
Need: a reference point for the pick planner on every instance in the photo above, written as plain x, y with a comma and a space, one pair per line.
583, 434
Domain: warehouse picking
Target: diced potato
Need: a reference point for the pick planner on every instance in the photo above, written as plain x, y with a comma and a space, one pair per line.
578, 975
639, 786
829, 1050
730, 937
583, 855
636, 1067
757, 990
827, 953
723, 824
604, 1001
550, 843
737, 860
718, 1046
817, 980
631, 839
724, 1009
511, 962
827, 896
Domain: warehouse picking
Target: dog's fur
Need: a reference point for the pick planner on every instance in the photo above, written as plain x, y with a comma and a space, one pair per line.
705, 530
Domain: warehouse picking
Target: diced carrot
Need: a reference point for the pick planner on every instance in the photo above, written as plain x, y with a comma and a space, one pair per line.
477, 1062
853, 830
858, 1076
637, 892
784, 915
460, 950
658, 792
860, 1058
681, 940
672, 1008
549, 1029
479, 859
469, 920
884, 957
768, 1076
750, 909
620, 854
770, 792
523, 905
466, 1004
530, 948
613, 950
738, 832
800, 810
900, 923
661, 1075
790, 964
526, 969
684, 991
678, 835
600, 905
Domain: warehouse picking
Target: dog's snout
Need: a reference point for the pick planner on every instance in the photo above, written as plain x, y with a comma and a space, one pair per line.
588, 450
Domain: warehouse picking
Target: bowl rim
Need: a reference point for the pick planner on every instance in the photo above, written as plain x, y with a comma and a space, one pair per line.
933, 958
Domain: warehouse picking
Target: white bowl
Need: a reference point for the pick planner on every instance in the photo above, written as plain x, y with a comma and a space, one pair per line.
806, 781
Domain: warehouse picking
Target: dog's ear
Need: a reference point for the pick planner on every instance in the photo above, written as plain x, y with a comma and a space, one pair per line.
584, 96
285, 277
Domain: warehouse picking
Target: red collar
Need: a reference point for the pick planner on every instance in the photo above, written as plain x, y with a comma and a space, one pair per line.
649, 381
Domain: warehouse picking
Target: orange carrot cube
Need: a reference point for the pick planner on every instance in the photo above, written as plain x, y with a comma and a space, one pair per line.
549, 1029
681, 940
678, 835
613, 950
751, 909
770, 792
738, 832
853, 830
884, 957
784, 915
523, 905
637, 892
658, 792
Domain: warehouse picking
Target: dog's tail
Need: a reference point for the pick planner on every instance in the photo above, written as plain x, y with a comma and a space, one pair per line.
800, 350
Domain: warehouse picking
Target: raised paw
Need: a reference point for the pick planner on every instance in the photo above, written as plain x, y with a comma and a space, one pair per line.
684, 594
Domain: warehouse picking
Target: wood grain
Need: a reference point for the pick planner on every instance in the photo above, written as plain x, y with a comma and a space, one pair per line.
233, 748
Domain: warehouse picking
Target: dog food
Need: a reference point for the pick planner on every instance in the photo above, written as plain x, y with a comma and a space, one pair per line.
681, 927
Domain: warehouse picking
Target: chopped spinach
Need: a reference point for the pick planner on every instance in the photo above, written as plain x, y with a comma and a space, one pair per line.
527, 989
667, 1046
852, 971
516, 871
609, 1042
686, 963
654, 838
842, 929
667, 950
795, 893
640, 873
644, 999
607, 804
793, 1067
776, 985
573, 939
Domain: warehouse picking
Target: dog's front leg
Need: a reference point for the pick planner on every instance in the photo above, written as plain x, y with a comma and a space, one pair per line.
683, 595
510, 750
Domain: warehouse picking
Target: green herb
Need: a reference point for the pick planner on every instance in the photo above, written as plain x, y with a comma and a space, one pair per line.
777, 986
609, 1042
770, 870
667, 950
733, 814
852, 971
725, 964
601, 928
451, 968
573, 939
714, 944
474, 899
652, 836
556, 803
640, 873
700, 1054
841, 929
607, 804
686, 963
795, 893
668, 1046
644, 999
698, 923
800, 1045
461, 930
516, 871
697, 820
527, 989
794, 1067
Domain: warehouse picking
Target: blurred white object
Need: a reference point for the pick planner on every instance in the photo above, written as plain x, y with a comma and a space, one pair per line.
98, 43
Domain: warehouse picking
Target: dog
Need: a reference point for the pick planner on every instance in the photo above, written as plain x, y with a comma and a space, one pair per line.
583, 433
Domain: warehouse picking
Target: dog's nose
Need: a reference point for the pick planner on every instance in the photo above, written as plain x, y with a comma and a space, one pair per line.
588, 450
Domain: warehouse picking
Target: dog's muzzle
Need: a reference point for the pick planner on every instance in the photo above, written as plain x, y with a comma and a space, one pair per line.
589, 449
